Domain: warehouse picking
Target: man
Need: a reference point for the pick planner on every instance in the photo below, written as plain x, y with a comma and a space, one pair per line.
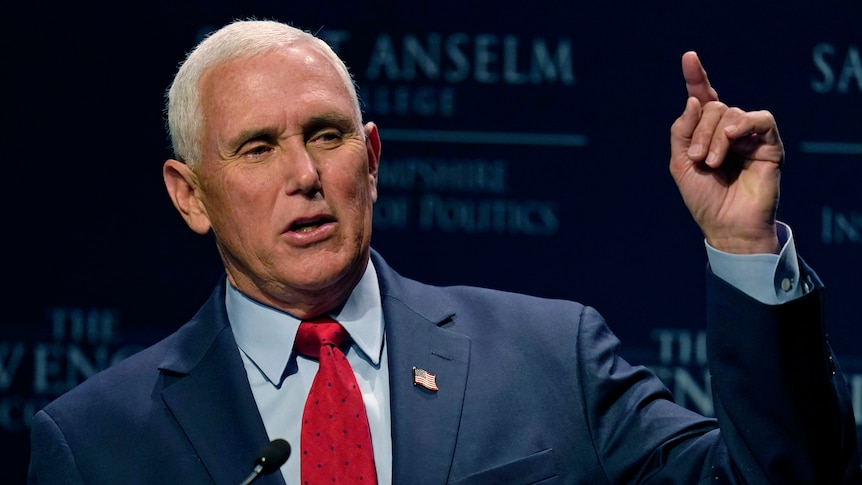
273, 158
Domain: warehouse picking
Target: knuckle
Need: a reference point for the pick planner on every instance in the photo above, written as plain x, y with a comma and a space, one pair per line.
736, 111
716, 106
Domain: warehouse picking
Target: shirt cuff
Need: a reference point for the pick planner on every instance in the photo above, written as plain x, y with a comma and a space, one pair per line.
768, 278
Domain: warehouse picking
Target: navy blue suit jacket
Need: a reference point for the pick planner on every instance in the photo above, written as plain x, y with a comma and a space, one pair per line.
530, 391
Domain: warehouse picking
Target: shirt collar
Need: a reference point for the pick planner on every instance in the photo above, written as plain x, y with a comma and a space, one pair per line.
266, 335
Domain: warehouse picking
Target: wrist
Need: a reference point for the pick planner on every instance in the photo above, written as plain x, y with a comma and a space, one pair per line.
766, 244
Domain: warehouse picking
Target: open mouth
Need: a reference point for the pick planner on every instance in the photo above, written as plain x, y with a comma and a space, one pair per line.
309, 225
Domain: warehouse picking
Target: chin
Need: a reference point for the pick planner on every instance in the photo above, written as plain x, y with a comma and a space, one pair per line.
319, 275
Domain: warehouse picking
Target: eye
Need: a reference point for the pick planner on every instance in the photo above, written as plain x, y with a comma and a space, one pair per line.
328, 130
327, 137
257, 151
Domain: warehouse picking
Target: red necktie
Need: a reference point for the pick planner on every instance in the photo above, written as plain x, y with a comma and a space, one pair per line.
335, 441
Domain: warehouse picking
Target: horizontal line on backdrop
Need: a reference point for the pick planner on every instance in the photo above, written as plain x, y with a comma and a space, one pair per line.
483, 137
832, 147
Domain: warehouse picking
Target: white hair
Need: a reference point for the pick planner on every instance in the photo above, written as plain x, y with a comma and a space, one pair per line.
241, 38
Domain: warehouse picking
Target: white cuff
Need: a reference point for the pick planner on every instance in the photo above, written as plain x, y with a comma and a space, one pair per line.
768, 278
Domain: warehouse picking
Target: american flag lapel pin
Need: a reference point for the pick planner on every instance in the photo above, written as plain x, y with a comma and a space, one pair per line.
423, 378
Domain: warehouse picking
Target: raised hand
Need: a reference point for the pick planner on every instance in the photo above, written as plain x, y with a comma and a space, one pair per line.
726, 163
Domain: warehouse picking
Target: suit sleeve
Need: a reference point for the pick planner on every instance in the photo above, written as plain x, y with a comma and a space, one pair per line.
782, 403
639, 434
782, 406
51, 459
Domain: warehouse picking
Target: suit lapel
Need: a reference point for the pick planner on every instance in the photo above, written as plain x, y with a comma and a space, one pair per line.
207, 392
424, 423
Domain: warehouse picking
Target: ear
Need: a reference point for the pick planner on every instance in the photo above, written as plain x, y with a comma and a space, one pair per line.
372, 147
184, 190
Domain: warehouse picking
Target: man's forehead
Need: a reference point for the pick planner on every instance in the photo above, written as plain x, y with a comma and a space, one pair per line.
284, 65
285, 88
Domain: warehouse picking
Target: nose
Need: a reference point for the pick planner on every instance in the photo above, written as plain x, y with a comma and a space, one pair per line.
303, 176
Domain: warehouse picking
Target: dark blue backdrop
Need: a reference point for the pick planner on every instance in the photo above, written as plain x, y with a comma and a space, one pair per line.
525, 148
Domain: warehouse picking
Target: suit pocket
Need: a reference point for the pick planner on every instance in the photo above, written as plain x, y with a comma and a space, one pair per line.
538, 468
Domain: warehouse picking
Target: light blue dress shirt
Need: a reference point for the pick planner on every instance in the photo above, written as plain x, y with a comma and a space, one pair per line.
280, 380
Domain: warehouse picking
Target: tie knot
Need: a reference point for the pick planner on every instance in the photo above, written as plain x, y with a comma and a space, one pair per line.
314, 334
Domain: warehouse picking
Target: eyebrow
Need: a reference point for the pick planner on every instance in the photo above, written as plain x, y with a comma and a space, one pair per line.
346, 123
234, 143
317, 122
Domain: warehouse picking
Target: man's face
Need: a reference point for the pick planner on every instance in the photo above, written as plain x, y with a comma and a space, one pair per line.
288, 178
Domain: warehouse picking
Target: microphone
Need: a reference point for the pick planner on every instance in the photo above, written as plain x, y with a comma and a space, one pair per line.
269, 459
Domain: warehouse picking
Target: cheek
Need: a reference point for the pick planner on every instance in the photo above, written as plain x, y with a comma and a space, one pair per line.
355, 205
363, 195
233, 204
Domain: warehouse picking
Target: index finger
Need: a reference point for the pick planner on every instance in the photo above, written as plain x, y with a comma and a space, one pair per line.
696, 81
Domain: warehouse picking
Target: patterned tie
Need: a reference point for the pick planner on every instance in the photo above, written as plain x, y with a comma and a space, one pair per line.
335, 441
